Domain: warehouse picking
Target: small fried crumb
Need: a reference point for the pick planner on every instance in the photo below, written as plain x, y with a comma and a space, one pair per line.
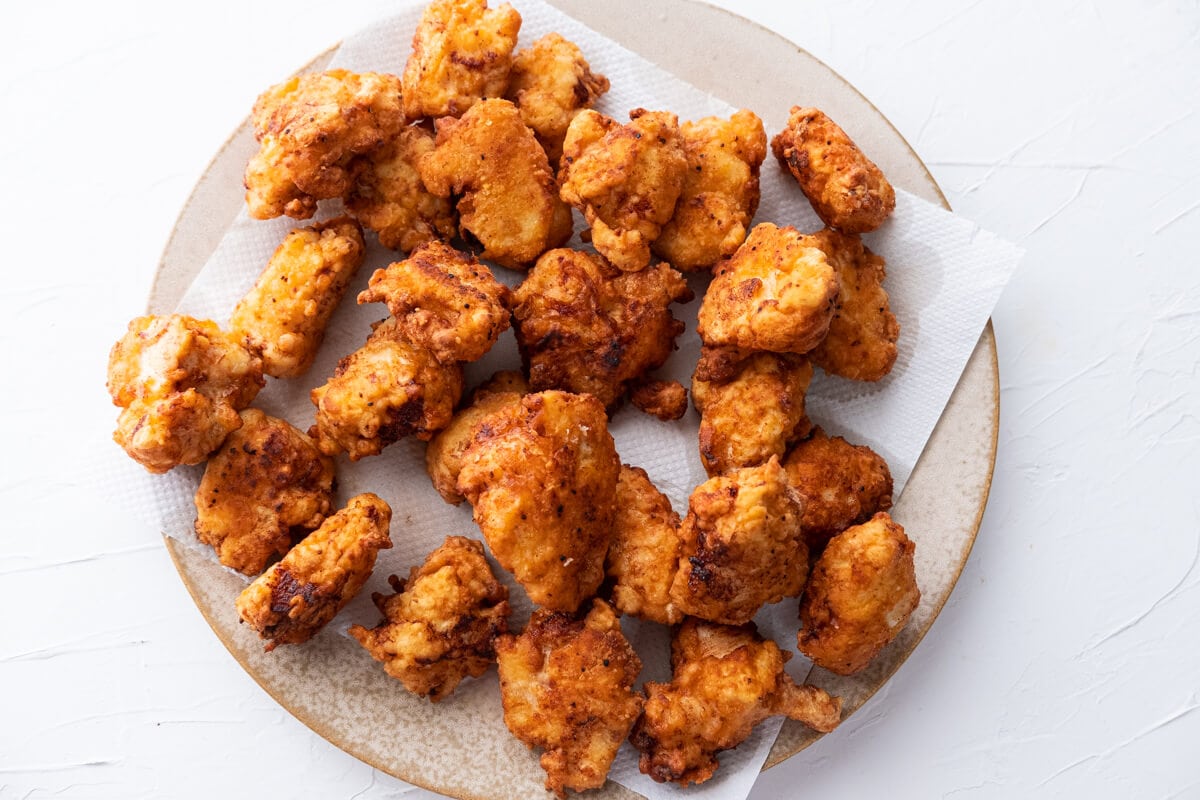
666, 400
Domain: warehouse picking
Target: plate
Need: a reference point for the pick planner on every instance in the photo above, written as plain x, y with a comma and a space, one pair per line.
461, 748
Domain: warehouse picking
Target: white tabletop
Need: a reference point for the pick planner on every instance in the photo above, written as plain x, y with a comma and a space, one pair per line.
1067, 662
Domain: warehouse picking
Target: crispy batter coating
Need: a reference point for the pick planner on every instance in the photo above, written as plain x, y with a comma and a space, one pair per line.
842, 485
742, 545
726, 680
776, 293
584, 326
720, 364
645, 549
309, 129
666, 400
567, 687
462, 53
550, 83
444, 455
720, 193
845, 188
382, 392
542, 476
754, 415
443, 300
297, 596
509, 198
283, 318
266, 483
861, 344
388, 197
179, 383
862, 592
625, 179
441, 624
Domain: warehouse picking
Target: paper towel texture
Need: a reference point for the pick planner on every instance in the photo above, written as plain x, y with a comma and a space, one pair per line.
944, 277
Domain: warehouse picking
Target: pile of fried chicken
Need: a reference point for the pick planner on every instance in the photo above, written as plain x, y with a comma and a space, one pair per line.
477, 156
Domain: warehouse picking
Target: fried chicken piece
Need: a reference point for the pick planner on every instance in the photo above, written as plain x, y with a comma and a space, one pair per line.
862, 592
267, 483
309, 129
542, 477
299, 595
842, 485
742, 545
776, 293
179, 383
441, 624
550, 83
509, 198
754, 415
720, 193
443, 300
382, 392
625, 179
444, 455
726, 681
666, 400
283, 318
388, 197
584, 326
645, 549
567, 687
461, 53
861, 344
845, 188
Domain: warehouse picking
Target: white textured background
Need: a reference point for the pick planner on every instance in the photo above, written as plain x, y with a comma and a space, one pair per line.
1067, 663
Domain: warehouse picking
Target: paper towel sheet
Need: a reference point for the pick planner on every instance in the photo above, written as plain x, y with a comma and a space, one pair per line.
944, 277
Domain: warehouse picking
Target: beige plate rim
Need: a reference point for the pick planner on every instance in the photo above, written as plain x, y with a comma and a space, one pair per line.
159, 301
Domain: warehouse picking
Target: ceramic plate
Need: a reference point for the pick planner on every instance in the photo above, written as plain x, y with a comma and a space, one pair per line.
461, 748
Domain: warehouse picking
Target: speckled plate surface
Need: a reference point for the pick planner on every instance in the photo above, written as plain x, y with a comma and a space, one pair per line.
462, 748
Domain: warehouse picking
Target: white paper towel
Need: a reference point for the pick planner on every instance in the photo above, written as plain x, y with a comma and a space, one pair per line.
944, 277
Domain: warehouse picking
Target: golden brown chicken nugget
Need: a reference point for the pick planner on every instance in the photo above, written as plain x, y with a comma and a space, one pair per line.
509, 198
441, 624
861, 343
720, 193
862, 591
267, 483
283, 318
776, 293
309, 129
299, 595
382, 392
742, 546
567, 687
842, 485
179, 382
584, 326
542, 477
726, 680
754, 415
845, 188
443, 300
388, 197
444, 455
666, 400
645, 549
550, 83
625, 179
461, 53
